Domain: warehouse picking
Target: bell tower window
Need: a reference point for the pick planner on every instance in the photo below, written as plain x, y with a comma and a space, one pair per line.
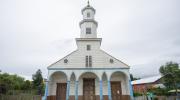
88, 30
88, 47
88, 15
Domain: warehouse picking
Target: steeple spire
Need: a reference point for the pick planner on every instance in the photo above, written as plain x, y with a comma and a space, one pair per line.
88, 3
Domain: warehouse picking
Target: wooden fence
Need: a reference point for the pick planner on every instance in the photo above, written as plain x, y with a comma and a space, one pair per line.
20, 97
157, 98
140, 98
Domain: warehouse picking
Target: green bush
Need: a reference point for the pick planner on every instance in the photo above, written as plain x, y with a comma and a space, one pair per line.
155, 98
136, 94
160, 91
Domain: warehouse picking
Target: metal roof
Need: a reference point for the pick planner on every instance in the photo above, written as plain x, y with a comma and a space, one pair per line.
147, 80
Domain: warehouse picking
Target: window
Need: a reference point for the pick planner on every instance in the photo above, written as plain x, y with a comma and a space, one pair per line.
65, 61
88, 61
111, 61
88, 47
88, 30
88, 14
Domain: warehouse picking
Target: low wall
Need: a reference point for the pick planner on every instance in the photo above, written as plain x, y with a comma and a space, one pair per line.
20, 97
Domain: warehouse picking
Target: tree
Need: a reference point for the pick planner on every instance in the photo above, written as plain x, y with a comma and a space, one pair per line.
38, 81
11, 82
171, 75
133, 78
27, 85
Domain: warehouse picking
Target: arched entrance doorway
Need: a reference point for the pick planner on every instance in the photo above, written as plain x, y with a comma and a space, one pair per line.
58, 86
89, 85
118, 84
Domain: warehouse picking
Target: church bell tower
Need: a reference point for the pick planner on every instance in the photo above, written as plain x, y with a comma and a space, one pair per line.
88, 25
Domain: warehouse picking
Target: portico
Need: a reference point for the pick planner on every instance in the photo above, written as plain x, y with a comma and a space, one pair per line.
99, 87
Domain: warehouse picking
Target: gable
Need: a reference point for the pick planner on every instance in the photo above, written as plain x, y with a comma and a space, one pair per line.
100, 59
117, 62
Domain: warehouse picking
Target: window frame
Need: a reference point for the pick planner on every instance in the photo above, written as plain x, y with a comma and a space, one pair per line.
88, 15
88, 61
88, 47
88, 30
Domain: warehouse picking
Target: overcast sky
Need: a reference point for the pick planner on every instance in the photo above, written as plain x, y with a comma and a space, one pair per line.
35, 33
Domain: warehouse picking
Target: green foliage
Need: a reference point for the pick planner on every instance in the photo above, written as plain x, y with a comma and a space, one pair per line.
171, 75
136, 94
27, 85
159, 91
38, 82
133, 78
155, 98
12, 82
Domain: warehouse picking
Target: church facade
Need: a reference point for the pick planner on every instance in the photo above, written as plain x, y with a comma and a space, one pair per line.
88, 73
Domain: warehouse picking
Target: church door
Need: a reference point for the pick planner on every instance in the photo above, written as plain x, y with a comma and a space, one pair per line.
88, 89
61, 91
116, 90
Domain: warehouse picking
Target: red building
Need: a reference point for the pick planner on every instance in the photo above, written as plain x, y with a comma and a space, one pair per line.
142, 85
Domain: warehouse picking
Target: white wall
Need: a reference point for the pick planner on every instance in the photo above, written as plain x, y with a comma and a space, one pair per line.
93, 30
88, 11
100, 59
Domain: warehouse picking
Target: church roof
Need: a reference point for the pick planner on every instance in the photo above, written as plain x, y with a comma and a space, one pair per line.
88, 7
146, 80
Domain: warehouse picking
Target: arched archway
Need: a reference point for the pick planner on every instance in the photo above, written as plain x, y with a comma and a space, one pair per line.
58, 76
57, 85
88, 85
119, 85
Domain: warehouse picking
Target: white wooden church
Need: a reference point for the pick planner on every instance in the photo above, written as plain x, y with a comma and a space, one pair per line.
88, 73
